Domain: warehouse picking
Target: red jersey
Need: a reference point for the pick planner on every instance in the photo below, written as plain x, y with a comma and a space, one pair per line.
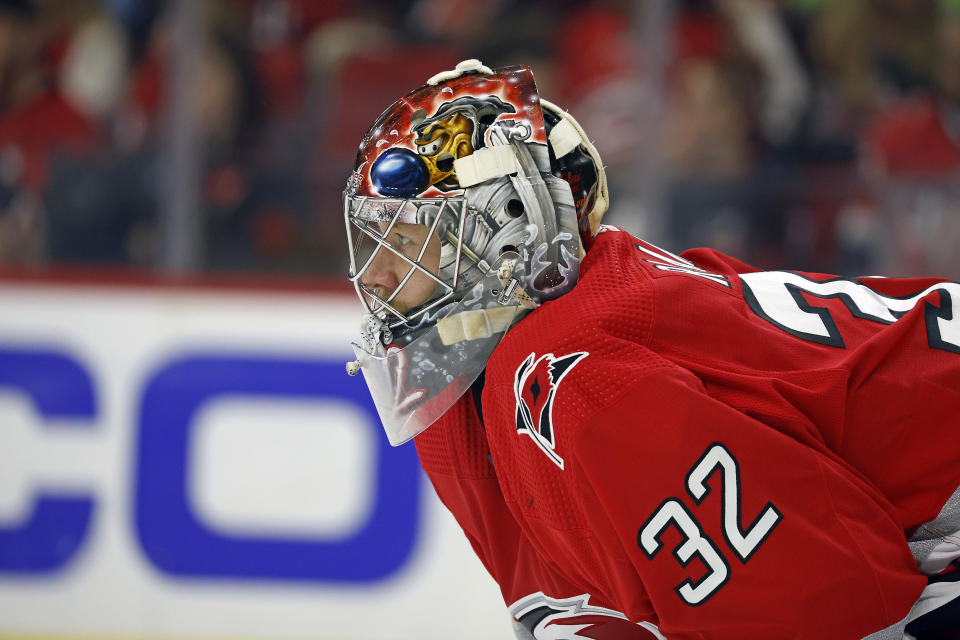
685, 447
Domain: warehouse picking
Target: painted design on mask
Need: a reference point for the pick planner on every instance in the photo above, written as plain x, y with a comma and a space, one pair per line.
455, 130
410, 150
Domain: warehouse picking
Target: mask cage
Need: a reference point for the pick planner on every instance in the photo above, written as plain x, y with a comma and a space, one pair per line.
370, 221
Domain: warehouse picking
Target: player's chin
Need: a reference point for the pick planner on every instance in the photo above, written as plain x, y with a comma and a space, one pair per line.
401, 305
382, 297
405, 302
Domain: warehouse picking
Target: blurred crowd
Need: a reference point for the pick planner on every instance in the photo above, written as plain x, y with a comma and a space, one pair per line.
814, 134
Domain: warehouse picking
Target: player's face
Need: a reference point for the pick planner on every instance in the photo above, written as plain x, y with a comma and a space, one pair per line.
388, 270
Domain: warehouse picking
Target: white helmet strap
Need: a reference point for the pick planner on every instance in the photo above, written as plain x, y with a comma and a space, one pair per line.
566, 136
486, 163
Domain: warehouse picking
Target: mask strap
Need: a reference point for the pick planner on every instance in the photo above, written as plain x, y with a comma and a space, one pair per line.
485, 164
567, 125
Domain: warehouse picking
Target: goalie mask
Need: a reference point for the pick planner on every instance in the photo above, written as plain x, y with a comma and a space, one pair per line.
469, 205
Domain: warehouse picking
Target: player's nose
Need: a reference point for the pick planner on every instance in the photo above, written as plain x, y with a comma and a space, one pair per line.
381, 273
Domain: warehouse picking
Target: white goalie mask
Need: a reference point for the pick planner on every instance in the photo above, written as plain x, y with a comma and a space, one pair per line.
460, 221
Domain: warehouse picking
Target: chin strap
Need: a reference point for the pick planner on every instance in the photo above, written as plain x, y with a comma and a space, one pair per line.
472, 325
483, 323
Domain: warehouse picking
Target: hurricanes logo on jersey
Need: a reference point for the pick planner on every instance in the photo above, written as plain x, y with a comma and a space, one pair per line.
576, 619
535, 387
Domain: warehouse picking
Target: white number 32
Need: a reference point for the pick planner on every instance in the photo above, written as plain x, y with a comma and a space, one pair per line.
776, 296
744, 543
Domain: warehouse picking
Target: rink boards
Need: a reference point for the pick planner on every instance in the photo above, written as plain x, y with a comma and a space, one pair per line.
192, 462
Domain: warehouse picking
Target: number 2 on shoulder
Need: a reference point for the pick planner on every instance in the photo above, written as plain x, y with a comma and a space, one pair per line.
744, 543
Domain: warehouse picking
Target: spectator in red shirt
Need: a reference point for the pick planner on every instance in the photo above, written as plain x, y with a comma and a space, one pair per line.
35, 120
921, 137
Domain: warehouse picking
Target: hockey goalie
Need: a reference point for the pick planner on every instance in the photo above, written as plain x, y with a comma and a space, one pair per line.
639, 444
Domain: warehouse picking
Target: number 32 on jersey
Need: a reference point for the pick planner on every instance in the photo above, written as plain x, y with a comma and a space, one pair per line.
672, 512
776, 297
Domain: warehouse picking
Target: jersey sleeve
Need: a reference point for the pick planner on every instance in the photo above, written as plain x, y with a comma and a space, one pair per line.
736, 530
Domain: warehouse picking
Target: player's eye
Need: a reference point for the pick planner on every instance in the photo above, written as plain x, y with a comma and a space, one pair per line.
401, 242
